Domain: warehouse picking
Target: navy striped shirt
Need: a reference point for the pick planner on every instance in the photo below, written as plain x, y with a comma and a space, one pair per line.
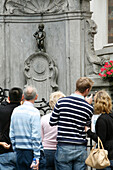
71, 114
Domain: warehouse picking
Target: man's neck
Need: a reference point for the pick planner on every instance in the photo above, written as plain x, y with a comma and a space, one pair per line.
78, 93
31, 101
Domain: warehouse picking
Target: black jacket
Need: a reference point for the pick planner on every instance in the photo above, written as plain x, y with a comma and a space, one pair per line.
6, 110
104, 129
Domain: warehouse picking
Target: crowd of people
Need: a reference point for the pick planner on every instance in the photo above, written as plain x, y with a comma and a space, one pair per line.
57, 140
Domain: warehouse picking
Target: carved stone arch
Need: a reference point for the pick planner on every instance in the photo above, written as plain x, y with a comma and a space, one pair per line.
40, 71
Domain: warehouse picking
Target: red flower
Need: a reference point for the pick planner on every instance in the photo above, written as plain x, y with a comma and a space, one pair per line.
104, 75
107, 70
109, 73
109, 65
106, 66
102, 69
100, 74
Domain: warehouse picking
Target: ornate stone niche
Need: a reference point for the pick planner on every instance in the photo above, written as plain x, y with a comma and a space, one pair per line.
40, 71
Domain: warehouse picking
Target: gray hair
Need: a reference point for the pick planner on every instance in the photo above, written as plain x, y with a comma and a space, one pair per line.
30, 93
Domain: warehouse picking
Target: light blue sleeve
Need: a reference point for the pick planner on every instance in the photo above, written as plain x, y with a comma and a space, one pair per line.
36, 134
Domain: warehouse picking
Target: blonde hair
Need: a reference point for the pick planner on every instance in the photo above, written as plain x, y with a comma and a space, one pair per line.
102, 102
54, 98
84, 83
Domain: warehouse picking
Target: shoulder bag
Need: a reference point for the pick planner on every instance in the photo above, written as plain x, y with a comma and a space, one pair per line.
98, 158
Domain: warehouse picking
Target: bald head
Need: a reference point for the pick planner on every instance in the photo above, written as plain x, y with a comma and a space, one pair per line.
30, 93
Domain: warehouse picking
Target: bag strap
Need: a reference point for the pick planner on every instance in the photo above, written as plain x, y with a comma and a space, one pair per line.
94, 146
100, 142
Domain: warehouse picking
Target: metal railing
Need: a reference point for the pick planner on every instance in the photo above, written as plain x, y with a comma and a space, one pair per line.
3, 94
42, 105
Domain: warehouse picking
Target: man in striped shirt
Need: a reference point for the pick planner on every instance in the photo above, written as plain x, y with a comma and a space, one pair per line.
25, 131
71, 114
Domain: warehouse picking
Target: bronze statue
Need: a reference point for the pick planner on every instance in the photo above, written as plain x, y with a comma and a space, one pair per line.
40, 36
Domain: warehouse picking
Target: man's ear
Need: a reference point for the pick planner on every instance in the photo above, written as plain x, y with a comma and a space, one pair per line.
87, 90
22, 97
8, 99
36, 96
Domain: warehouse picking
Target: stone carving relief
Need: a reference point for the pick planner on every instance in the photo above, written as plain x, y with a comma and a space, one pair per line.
74, 5
92, 60
85, 5
44, 6
40, 70
34, 6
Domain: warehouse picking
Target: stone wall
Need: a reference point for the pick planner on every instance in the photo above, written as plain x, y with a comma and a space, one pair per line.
69, 44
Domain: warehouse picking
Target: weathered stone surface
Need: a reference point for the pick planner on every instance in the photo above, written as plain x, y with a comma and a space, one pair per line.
35, 6
69, 43
41, 71
63, 34
45, 6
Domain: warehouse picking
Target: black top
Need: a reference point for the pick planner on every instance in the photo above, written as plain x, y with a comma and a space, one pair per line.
6, 110
104, 129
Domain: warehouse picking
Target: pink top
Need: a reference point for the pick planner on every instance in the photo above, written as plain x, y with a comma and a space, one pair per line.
49, 133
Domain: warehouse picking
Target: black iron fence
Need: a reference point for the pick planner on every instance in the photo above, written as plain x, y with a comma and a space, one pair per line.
42, 105
3, 94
